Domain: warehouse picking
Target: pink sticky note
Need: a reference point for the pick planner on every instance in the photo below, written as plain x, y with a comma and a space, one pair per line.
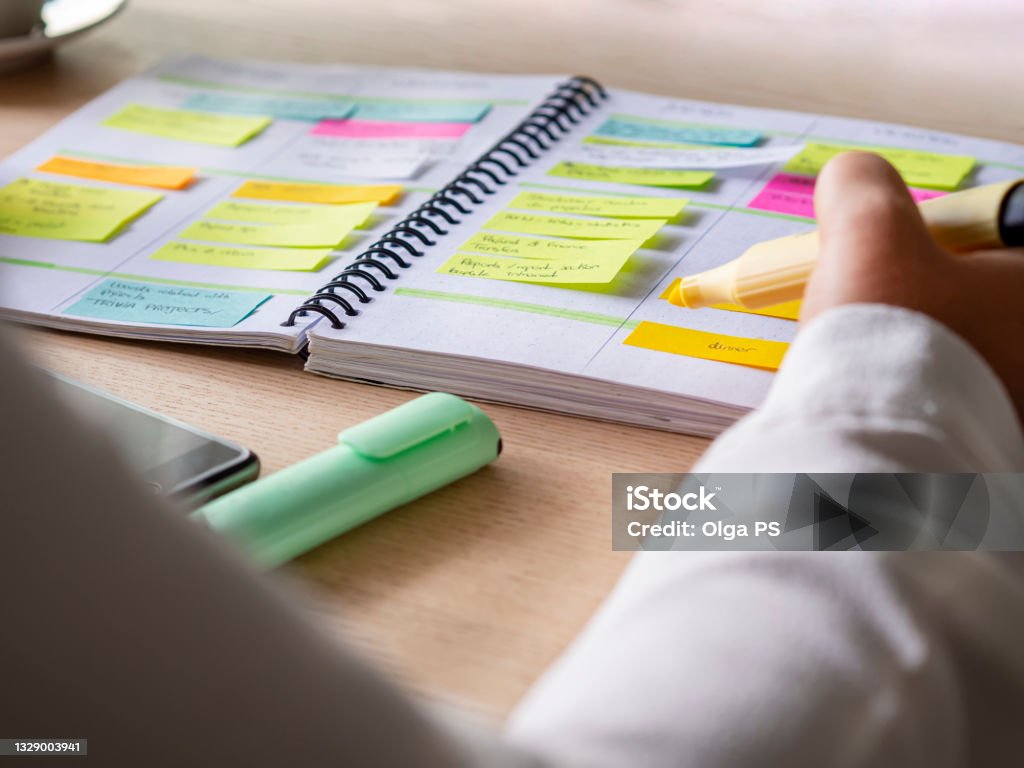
794, 195
781, 201
382, 129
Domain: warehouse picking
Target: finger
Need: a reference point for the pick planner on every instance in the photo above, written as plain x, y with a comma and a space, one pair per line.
865, 211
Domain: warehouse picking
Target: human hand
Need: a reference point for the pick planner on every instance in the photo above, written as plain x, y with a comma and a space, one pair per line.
875, 248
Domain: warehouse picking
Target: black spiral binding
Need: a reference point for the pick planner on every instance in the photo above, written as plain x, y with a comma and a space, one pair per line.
381, 261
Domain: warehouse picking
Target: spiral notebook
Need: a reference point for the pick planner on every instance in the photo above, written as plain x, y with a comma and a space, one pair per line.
506, 238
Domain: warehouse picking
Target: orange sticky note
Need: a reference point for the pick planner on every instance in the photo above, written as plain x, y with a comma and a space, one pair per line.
788, 311
159, 176
757, 353
297, 192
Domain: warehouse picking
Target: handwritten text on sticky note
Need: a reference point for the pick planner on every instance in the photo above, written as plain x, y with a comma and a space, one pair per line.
263, 213
588, 270
593, 205
308, 110
793, 195
756, 353
47, 209
565, 226
651, 177
550, 248
288, 259
280, 235
668, 131
187, 125
919, 169
150, 303
423, 111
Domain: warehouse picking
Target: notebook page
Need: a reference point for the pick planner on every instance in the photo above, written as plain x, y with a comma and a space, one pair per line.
583, 330
139, 123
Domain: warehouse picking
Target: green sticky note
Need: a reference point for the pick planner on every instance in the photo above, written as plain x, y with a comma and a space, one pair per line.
289, 259
150, 303
610, 142
282, 235
668, 130
651, 177
918, 169
51, 198
351, 215
585, 270
186, 125
550, 249
564, 226
422, 111
307, 110
590, 205
93, 230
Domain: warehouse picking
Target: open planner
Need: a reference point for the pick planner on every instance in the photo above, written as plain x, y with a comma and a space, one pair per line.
505, 238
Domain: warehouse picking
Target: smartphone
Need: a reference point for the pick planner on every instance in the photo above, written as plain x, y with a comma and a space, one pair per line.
174, 459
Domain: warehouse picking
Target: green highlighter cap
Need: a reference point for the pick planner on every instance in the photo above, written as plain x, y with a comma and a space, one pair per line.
378, 465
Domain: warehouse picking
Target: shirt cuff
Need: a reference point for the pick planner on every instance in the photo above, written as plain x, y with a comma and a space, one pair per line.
892, 375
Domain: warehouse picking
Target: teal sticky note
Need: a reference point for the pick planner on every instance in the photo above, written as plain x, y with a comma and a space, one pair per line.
133, 302
681, 133
308, 110
422, 111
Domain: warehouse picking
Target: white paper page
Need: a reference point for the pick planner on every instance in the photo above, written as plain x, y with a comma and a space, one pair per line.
582, 332
41, 276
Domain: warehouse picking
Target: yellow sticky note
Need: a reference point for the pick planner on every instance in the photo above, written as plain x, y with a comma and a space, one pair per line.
186, 125
160, 176
918, 169
788, 311
319, 215
651, 177
550, 249
290, 259
757, 353
50, 198
590, 205
282, 235
589, 269
55, 227
563, 226
385, 194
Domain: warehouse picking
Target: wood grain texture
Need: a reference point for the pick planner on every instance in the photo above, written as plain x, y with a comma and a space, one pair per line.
468, 594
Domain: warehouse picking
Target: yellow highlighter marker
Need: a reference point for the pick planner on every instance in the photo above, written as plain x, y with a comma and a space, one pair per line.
776, 271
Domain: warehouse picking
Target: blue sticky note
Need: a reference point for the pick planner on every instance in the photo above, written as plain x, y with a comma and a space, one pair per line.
678, 132
133, 302
422, 111
308, 110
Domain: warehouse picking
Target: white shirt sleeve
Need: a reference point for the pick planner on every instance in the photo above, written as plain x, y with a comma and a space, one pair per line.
813, 659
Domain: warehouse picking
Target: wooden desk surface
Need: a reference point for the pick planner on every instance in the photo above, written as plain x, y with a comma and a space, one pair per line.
470, 593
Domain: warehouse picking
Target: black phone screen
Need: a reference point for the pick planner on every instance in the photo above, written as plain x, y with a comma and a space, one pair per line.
173, 458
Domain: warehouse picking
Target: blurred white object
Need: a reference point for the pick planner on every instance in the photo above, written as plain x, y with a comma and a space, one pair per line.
61, 20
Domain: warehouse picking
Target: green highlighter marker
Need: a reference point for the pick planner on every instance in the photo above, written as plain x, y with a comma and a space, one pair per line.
377, 465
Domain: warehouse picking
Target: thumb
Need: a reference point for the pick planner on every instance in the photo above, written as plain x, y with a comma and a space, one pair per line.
865, 213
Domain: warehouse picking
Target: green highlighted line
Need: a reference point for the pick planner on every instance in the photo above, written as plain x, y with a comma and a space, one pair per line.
211, 85
519, 306
148, 278
692, 202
